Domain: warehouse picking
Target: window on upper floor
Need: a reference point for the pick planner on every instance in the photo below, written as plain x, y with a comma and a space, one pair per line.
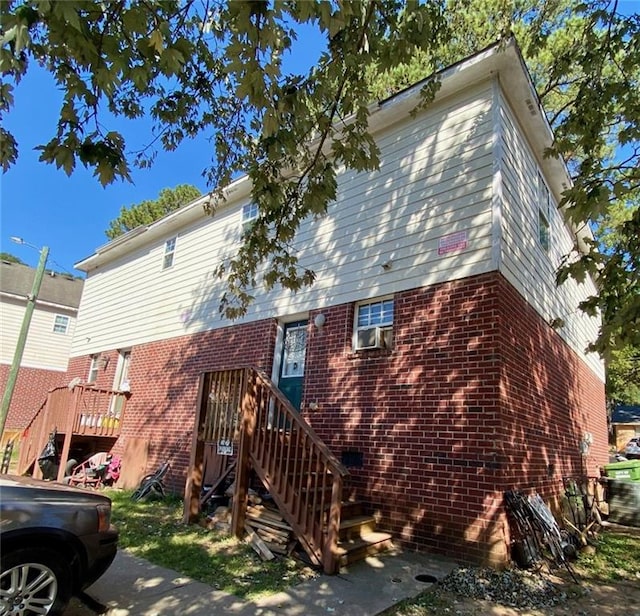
93, 370
544, 213
249, 214
169, 253
373, 327
61, 324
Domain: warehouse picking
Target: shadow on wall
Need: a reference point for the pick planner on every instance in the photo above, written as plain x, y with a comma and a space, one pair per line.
477, 396
166, 375
424, 169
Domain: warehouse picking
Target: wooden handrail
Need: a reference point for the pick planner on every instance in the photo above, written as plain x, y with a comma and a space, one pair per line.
302, 474
82, 410
30, 439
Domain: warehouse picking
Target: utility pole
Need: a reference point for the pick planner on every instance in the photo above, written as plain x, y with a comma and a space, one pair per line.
22, 338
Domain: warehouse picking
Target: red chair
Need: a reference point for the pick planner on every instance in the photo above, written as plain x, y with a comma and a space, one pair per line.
112, 474
91, 473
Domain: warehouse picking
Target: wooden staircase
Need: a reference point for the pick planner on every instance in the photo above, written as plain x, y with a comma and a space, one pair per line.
303, 477
358, 536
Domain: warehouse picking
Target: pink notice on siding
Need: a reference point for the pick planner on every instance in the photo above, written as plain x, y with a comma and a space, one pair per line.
452, 242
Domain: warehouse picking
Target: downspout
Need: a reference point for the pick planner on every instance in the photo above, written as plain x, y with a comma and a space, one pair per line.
497, 195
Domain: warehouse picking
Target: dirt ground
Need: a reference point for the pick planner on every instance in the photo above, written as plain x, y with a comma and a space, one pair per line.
621, 599
589, 598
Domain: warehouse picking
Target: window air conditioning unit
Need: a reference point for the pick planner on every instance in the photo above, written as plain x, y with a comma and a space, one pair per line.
373, 338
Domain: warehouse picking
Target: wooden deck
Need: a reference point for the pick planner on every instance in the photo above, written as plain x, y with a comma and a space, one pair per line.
82, 411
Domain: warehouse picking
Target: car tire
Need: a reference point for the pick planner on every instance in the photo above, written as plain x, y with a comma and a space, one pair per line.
21, 568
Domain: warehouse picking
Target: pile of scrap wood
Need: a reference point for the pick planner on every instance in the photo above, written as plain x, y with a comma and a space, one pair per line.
220, 519
268, 532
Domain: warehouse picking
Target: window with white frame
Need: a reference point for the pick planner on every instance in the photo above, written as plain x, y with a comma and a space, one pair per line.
61, 324
544, 211
373, 325
169, 253
249, 213
93, 370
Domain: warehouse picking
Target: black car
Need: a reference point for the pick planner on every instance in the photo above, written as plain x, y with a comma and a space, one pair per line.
55, 541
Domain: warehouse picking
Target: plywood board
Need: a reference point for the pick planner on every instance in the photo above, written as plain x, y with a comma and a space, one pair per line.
134, 462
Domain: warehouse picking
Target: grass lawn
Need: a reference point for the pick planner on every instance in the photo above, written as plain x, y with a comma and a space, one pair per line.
153, 530
616, 559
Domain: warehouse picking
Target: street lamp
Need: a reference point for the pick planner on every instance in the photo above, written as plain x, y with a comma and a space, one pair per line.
24, 330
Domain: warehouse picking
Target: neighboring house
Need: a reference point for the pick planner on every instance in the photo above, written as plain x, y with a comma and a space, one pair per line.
424, 354
625, 424
46, 352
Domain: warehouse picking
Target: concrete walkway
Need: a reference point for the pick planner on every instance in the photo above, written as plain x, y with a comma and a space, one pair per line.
134, 587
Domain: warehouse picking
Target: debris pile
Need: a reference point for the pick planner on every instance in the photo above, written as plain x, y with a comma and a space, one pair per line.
268, 532
511, 587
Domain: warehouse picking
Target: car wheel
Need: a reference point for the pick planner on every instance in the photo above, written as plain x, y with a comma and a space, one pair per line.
34, 581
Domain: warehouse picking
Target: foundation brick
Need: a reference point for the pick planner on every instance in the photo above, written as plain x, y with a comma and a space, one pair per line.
478, 395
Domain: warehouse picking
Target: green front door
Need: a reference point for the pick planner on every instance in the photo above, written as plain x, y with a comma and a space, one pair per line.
294, 349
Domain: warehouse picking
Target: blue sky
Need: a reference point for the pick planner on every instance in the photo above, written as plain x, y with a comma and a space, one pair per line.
43, 206
70, 214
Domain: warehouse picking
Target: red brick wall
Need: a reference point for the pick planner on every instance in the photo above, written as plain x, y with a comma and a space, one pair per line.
444, 420
550, 399
164, 378
29, 393
477, 395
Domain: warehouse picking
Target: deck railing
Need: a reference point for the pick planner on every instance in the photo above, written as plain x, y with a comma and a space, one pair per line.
83, 410
303, 477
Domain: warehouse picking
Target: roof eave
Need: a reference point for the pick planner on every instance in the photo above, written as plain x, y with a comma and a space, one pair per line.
502, 61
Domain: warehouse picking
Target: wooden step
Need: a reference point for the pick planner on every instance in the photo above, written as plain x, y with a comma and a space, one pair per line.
357, 526
351, 509
356, 549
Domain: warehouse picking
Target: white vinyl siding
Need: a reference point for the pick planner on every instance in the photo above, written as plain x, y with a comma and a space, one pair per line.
524, 261
44, 348
434, 180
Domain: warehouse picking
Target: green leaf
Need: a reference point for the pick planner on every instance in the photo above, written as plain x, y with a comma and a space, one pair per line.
156, 41
69, 12
222, 75
171, 60
8, 149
